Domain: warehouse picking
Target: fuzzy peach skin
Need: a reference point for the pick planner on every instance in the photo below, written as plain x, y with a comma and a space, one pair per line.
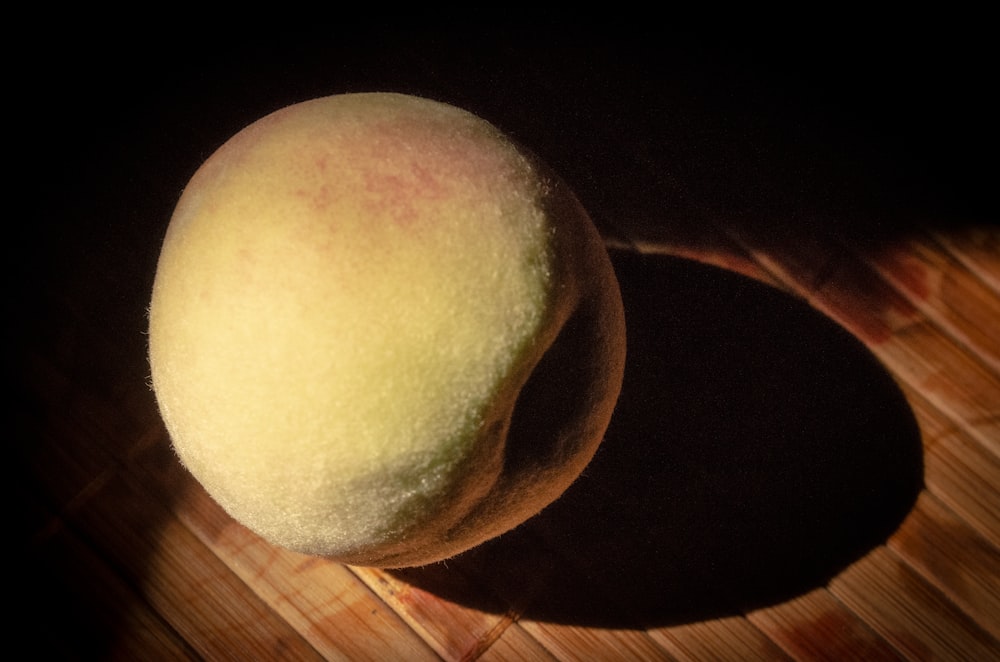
382, 333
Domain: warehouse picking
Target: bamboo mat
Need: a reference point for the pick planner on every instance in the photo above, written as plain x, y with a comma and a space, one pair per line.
804, 464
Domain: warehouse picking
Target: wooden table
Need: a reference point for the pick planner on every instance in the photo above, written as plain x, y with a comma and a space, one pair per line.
805, 462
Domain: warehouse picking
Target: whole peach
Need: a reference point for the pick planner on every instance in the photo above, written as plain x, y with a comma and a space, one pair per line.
381, 332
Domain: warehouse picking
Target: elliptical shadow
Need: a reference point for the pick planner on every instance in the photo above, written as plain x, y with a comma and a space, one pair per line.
757, 449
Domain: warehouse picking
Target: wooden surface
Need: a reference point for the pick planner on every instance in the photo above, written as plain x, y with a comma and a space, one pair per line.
804, 464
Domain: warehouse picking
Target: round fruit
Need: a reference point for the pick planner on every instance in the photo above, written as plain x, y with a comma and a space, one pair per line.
381, 332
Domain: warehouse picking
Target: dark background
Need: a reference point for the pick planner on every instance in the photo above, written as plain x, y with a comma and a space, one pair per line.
751, 118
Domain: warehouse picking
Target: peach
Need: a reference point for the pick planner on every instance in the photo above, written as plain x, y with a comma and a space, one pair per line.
381, 332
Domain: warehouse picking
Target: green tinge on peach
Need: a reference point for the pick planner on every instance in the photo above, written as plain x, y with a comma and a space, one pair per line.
357, 300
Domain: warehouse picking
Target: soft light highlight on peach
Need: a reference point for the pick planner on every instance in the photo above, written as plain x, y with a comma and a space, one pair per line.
357, 299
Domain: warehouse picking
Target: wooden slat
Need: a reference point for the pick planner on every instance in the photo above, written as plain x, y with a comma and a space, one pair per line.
323, 601
978, 248
957, 470
731, 638
454, 631
816, 626
913, 616
580, 643
78, 606
944, 290
954, 558
188, 586
515, 644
